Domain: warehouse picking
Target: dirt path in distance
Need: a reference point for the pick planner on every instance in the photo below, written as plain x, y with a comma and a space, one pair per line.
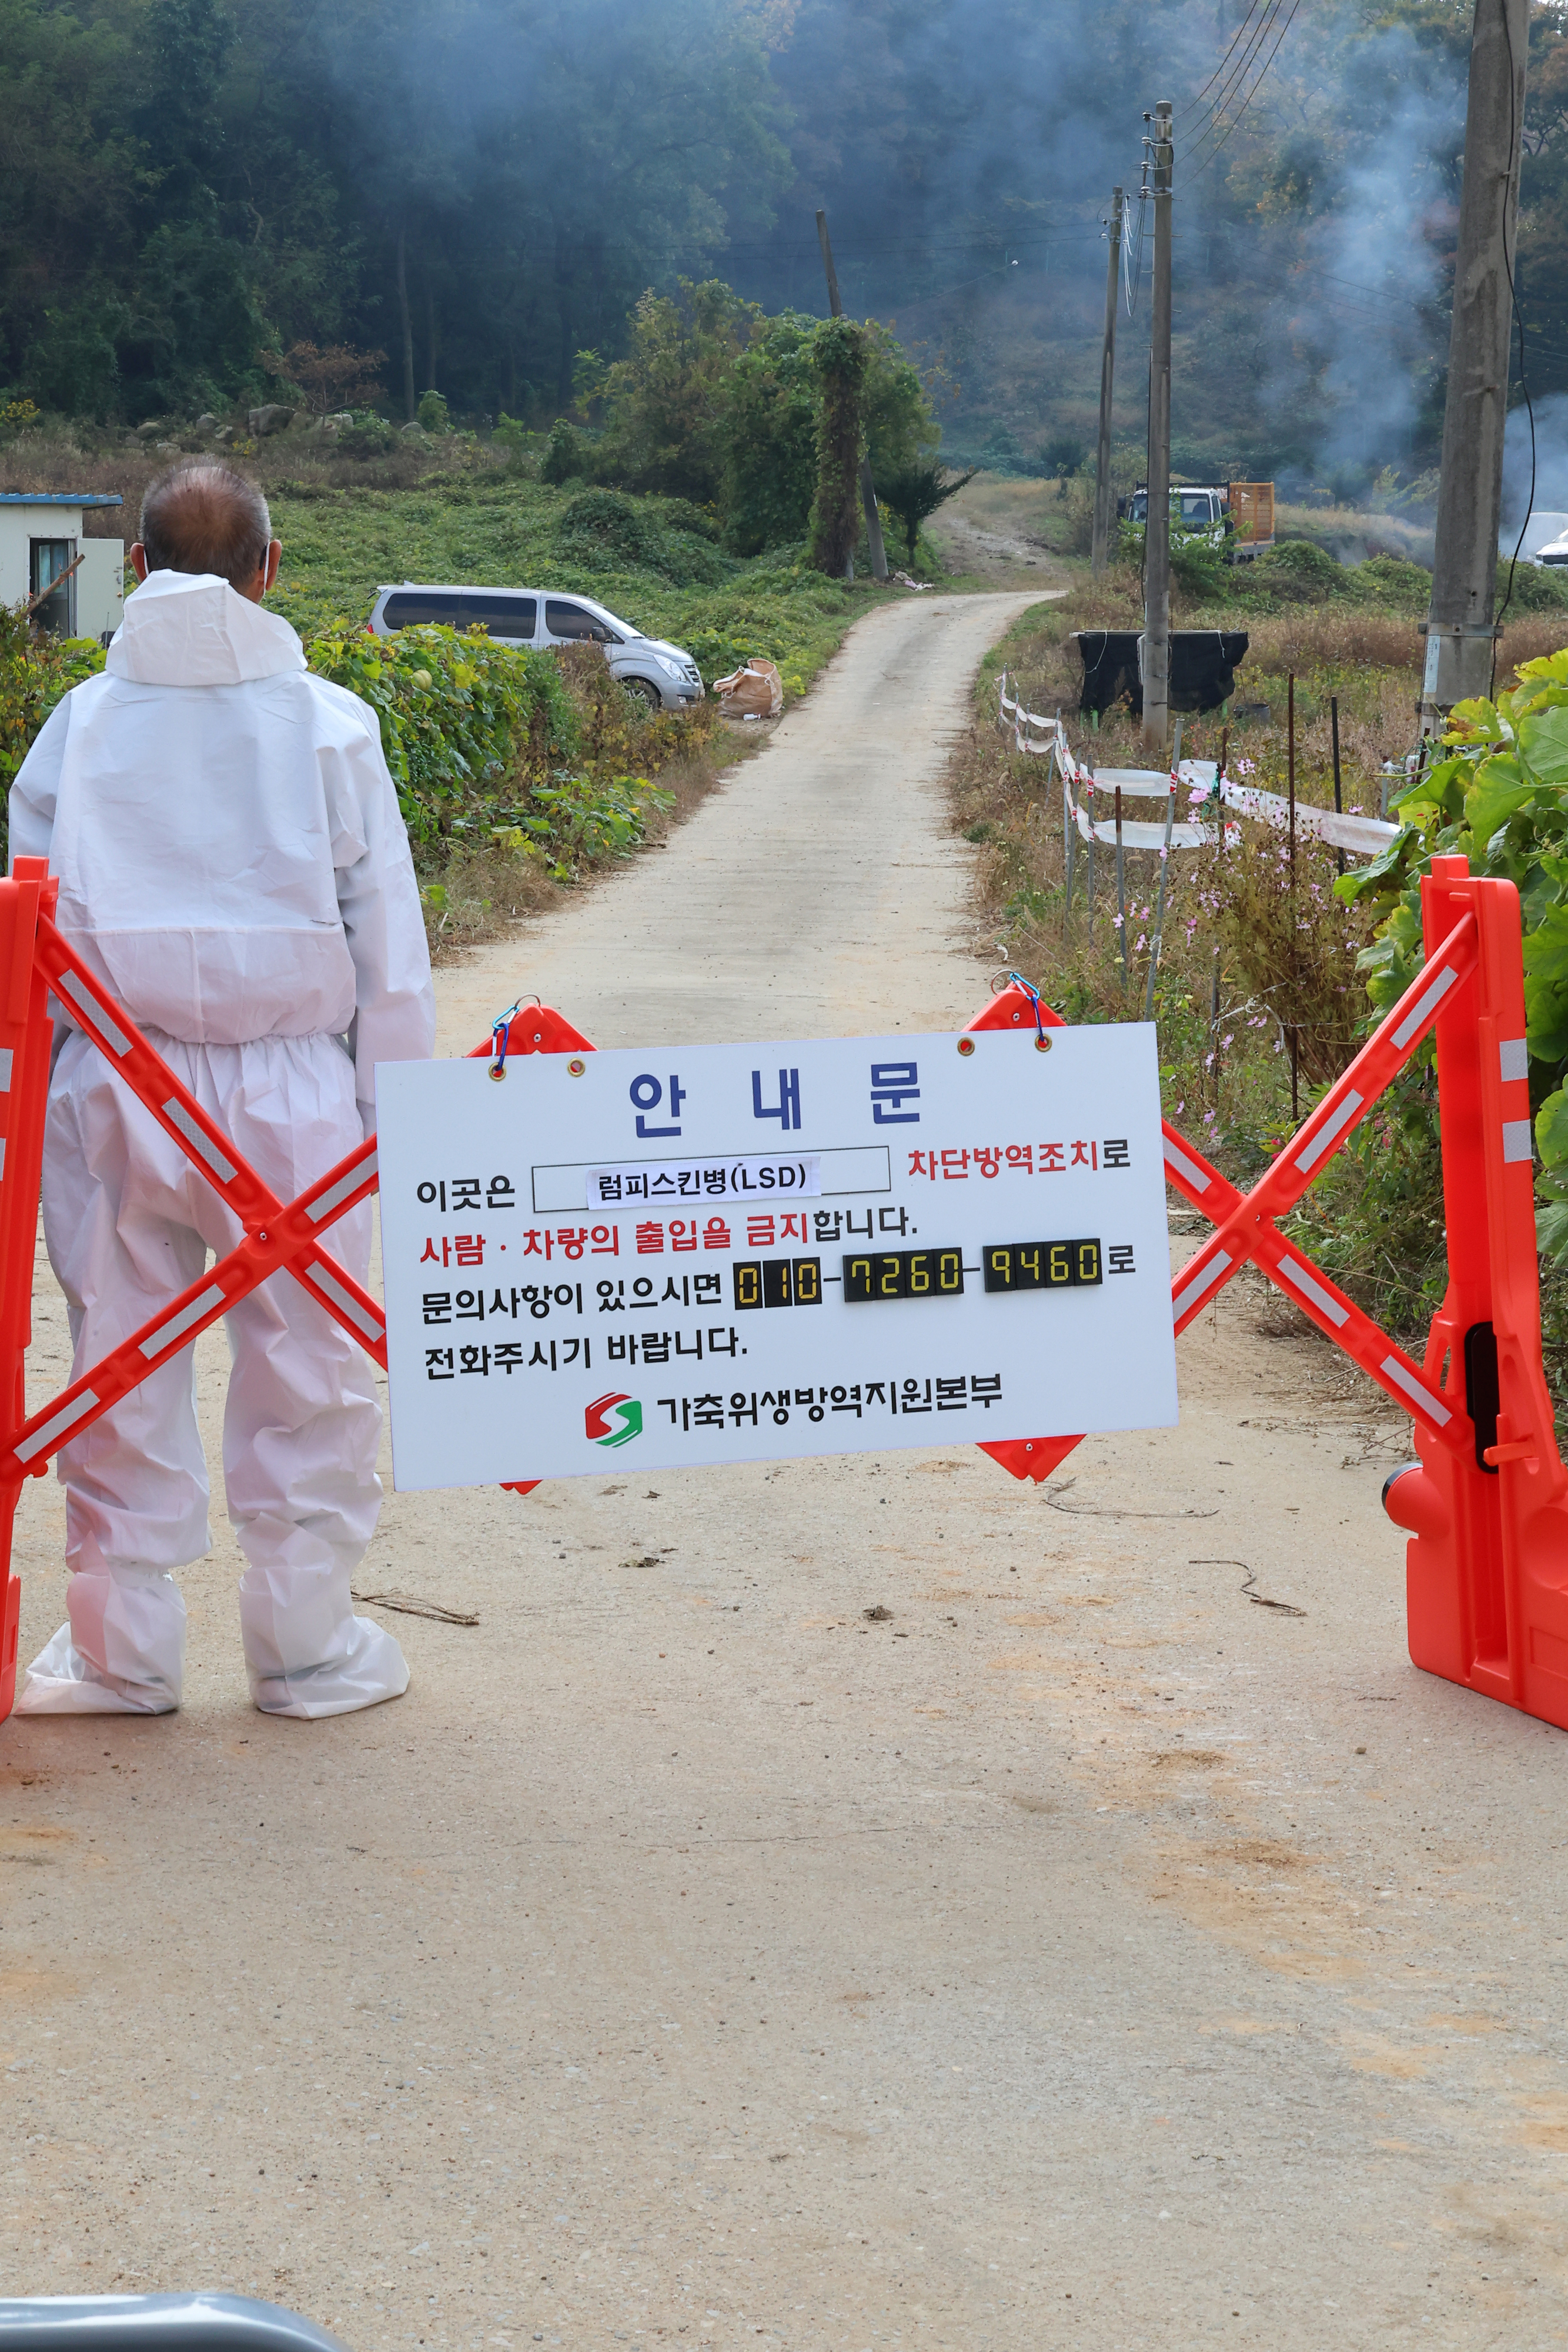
998, 530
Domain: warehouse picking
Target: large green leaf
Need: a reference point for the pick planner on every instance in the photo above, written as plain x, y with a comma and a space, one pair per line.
1544, 745
1546, 956
1499, 788
1551, 1231
1551, 1129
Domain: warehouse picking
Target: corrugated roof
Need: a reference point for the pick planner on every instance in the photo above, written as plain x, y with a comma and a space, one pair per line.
61, 498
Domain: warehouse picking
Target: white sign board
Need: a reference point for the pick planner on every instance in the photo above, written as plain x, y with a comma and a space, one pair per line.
725, 1253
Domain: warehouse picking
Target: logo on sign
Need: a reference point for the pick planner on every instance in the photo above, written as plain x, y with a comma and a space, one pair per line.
605, 1430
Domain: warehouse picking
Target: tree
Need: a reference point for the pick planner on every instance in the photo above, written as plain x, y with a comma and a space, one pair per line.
665, 402
335, 378
916, 493
839, 353
770, 436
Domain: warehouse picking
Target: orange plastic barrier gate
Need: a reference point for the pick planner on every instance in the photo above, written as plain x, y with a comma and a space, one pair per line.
1487, 1502
35, 962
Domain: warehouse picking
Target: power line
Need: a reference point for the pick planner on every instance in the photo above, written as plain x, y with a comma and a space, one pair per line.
1235, 78
1231, 127
1192, 105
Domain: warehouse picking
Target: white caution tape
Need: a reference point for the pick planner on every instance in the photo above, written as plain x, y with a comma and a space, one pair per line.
1364, 836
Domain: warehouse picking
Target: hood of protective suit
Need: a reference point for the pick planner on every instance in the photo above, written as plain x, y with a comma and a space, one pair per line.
190, 628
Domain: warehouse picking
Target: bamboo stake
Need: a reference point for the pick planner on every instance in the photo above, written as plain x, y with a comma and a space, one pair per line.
1291, 758
1338, 796
1121, 890
1089, 876
1165, 868
1070, 828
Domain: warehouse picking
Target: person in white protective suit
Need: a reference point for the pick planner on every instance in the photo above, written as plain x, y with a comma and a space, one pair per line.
234, 869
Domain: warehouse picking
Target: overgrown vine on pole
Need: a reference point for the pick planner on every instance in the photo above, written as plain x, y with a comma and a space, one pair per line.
840, 355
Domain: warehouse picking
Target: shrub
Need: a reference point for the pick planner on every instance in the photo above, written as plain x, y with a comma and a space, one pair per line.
914, 493
433, 412
584, 820
665, 402
512, 436
368, 435
568, 452
1389, 579
35, 672
1285, 934
603, 532
459, 715
1501, 799
1299, 573
1535, 588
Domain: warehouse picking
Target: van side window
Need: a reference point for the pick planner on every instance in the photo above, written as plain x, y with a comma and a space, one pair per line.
504, 616
419, 607
571, 621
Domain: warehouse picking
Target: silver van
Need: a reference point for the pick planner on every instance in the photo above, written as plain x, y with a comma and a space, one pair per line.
659, 676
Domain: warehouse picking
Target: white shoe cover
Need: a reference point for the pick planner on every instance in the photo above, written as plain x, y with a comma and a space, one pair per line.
305, 1653
123, 1651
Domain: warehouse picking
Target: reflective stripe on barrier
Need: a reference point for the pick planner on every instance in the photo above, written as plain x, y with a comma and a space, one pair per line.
1487, 1594
278, 1236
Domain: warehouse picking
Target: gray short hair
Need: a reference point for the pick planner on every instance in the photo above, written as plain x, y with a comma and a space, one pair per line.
204, 517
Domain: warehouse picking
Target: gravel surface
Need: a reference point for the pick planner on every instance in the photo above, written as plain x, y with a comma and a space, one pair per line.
1074, 1952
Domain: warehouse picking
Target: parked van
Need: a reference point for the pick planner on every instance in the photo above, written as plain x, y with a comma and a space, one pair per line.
1545, 541
660, 675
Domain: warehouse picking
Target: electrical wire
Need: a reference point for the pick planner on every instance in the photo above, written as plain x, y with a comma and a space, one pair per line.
1231, 127
1134, 274
1132, 268
1193, 103
1227, 128
1234, 80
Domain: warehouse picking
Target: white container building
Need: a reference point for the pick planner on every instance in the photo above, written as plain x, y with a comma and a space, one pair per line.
40, 539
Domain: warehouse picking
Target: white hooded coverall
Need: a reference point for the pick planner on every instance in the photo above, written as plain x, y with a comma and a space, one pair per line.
234, 869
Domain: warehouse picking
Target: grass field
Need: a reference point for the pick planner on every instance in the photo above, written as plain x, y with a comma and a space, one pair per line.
452, 510
341, 545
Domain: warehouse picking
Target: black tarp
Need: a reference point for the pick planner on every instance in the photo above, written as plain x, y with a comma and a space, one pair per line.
1203, 667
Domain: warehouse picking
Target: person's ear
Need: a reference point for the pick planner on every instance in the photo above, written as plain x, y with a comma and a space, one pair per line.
274, 555
138, 554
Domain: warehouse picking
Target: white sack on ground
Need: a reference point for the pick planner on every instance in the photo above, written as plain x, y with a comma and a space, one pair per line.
755, 690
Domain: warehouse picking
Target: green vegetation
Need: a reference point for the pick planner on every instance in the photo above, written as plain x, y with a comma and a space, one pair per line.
1501, 800
1261, 955
454, 206
751, 420
915, 493
840, 355
650, 560
35, 672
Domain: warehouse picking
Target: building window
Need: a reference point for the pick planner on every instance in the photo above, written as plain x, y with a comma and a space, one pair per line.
55, 613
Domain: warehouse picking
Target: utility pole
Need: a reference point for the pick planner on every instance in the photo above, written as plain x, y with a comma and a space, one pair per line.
868, 488
1104, 494
1461, 640
1156, 649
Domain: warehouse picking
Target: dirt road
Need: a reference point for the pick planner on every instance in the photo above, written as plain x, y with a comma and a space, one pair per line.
1001, 529
1081, 1955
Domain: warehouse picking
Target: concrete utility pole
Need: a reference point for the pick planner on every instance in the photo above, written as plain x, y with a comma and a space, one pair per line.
1157, 663
1460, 632
868, 488
1104, 492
